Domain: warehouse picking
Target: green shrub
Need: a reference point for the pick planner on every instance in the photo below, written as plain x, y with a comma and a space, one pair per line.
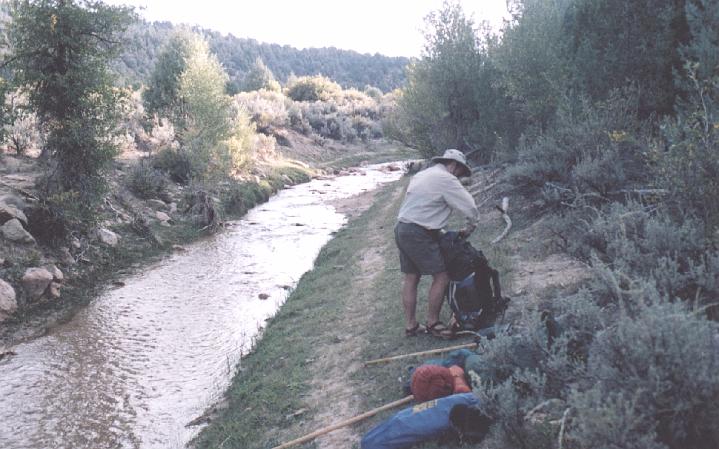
312, 88
240, 196
594, 149
146, 181
653, 374
614, 377
179, 164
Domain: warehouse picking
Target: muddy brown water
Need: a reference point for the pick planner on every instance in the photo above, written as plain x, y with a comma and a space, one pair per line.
133, 368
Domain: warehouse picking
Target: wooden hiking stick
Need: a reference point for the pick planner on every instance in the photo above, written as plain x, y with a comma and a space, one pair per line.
344, 423
432, 351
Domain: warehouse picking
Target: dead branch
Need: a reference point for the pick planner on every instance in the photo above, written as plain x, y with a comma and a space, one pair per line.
503, 209
562, 427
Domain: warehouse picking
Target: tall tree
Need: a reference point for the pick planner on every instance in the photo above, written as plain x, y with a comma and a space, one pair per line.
188, 86
615, 42
60, 50
260, 77
161, 96
448, 99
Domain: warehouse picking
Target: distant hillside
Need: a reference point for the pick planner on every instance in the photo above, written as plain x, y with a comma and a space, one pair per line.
348, 68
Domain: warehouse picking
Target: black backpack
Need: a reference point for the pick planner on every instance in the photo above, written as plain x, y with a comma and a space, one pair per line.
474, 293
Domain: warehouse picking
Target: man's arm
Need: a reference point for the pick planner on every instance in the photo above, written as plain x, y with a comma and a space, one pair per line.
460, 200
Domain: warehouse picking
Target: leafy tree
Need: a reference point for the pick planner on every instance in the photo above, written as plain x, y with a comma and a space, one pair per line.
614, 42
452, 99
60, 50
204, 115
532, 58
161, 96
188, 85
260, 77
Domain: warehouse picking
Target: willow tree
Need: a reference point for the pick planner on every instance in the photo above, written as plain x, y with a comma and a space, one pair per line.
59, 52
450, 99
188, 85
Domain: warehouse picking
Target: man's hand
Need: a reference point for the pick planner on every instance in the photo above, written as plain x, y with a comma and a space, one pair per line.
467, 231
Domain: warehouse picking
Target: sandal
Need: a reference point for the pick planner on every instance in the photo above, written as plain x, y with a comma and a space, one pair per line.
439, 329
416, 330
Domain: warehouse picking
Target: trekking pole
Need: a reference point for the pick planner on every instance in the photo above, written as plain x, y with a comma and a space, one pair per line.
414, 354
344, 423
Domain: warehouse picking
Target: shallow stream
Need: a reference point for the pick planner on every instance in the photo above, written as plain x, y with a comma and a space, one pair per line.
133, 368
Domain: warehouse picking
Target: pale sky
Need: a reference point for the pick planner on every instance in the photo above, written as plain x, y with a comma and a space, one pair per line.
389, 27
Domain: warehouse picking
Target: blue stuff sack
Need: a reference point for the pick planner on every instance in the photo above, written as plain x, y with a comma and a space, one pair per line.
422, 422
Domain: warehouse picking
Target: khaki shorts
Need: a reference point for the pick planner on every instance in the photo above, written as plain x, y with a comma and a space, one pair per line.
418, 249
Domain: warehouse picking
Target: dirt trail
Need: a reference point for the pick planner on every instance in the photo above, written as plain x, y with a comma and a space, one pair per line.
334, 395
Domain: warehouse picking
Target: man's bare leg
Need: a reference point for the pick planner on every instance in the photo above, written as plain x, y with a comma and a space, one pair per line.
409, 299
436, 296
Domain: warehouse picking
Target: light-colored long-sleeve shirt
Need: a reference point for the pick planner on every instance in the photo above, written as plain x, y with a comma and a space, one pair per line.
431, 197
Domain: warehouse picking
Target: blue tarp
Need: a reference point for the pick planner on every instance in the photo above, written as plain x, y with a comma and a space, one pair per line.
422, 422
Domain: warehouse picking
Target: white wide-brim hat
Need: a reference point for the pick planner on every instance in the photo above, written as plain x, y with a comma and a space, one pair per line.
455, 156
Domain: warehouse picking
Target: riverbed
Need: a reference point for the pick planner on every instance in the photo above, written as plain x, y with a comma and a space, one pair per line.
139, 363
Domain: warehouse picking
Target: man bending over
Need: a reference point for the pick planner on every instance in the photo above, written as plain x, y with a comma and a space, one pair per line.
431, 197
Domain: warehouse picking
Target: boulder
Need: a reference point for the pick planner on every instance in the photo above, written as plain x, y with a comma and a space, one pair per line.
8, 212
162, 216
35, 281
157, 204
8, 302
108, 237
13, 231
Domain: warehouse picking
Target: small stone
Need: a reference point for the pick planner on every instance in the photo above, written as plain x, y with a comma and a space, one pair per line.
179, 248
13, 231
8, 302
263, 296
165, 224
173, 208
54, 290
108, 237
35, 281
56, 273
157, 204
162, 216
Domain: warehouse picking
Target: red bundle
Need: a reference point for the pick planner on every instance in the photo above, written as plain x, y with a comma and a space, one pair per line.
431, 382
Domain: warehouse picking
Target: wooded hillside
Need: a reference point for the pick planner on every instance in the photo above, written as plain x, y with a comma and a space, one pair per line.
348, 68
